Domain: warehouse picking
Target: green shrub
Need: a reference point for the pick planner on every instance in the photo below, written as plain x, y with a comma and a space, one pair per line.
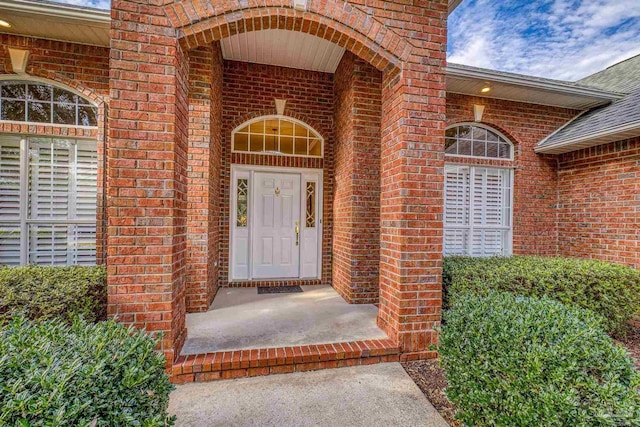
522, 361
52, 292
57, 374
610, 290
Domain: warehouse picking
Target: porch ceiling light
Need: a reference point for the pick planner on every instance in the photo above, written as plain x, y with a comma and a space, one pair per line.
486, 89
5, 24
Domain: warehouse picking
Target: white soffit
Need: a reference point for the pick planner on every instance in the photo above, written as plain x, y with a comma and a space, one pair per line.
521, 88
283, 48
56, 21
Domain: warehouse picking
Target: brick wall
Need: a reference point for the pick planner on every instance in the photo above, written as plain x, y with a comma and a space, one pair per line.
535, 228
147, 176
599, 202
205, 110
80, 67
356, 202
405, 42
249, 91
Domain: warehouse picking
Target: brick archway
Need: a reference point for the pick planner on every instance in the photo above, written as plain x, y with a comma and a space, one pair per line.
335, 21
152, 44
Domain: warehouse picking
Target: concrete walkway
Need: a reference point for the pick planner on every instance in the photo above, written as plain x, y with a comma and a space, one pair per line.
239, 318
374, 395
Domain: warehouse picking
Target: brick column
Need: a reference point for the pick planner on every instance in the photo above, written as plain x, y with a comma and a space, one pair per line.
146, 173
411, 199
204, 166
356, 203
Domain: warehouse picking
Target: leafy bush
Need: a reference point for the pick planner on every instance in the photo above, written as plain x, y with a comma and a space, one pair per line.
52, 292
522, 361
53, 373
610, 290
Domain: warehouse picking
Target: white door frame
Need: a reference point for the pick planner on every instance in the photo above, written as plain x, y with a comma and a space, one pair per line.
306, 175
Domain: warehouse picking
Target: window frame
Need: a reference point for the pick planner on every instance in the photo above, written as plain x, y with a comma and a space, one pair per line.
309, 128
489, 129
23, 221
508, 250
16, 79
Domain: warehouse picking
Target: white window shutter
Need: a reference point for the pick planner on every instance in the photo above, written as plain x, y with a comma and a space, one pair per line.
9, 200
477, 211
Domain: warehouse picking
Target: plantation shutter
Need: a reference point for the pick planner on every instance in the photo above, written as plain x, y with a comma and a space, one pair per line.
85, 202
477, 211
48, 193
456, 213
63, 184
9, 200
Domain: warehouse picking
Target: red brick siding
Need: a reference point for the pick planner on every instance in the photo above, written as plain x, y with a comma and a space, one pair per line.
412, 163
406, 42
599, 202
535, 230
205, 83
83, 68
356, 202
147, 175
249, 91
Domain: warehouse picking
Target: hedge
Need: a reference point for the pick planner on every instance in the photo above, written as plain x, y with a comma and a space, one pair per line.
610, 290
56, 373
53, 292
523, 361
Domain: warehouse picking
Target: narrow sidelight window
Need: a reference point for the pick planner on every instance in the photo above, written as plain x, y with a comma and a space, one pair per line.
242, 203
311, 205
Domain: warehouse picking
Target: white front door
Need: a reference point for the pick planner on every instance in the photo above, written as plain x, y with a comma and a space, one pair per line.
276, 225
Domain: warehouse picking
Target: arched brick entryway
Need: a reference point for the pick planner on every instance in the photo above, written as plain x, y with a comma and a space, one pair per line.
336, 21
148, 133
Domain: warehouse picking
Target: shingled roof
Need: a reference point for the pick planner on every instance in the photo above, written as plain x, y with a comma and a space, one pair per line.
613, 122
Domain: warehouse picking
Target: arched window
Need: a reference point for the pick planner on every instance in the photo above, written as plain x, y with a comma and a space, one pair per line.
478, 199
36, 102
48, 185
474, 140
278, 135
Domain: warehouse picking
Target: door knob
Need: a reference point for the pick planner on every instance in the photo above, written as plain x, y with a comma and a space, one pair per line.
297, 233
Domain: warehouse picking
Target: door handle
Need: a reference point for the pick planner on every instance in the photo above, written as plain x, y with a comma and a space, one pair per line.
297, 233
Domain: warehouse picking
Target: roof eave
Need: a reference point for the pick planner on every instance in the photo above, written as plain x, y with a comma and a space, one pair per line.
57, 10
605, 136
453, 4
555, 86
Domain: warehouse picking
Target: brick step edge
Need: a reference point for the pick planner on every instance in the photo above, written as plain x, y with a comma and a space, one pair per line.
249, 363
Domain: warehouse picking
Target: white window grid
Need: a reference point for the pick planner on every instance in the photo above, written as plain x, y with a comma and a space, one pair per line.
75, 102
310, 137
477, 141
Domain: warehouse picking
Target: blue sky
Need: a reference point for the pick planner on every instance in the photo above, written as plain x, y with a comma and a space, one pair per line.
562, 39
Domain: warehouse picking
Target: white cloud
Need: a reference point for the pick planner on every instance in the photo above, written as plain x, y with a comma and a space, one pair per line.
100, 4
562, 39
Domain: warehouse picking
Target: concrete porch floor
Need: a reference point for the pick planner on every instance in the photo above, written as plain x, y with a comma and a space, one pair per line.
239, 318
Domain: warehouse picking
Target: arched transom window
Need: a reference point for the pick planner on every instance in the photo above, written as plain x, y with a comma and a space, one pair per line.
36, 102
277, 135
473, 140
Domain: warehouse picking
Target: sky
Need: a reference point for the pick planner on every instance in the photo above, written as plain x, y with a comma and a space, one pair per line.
559, 39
